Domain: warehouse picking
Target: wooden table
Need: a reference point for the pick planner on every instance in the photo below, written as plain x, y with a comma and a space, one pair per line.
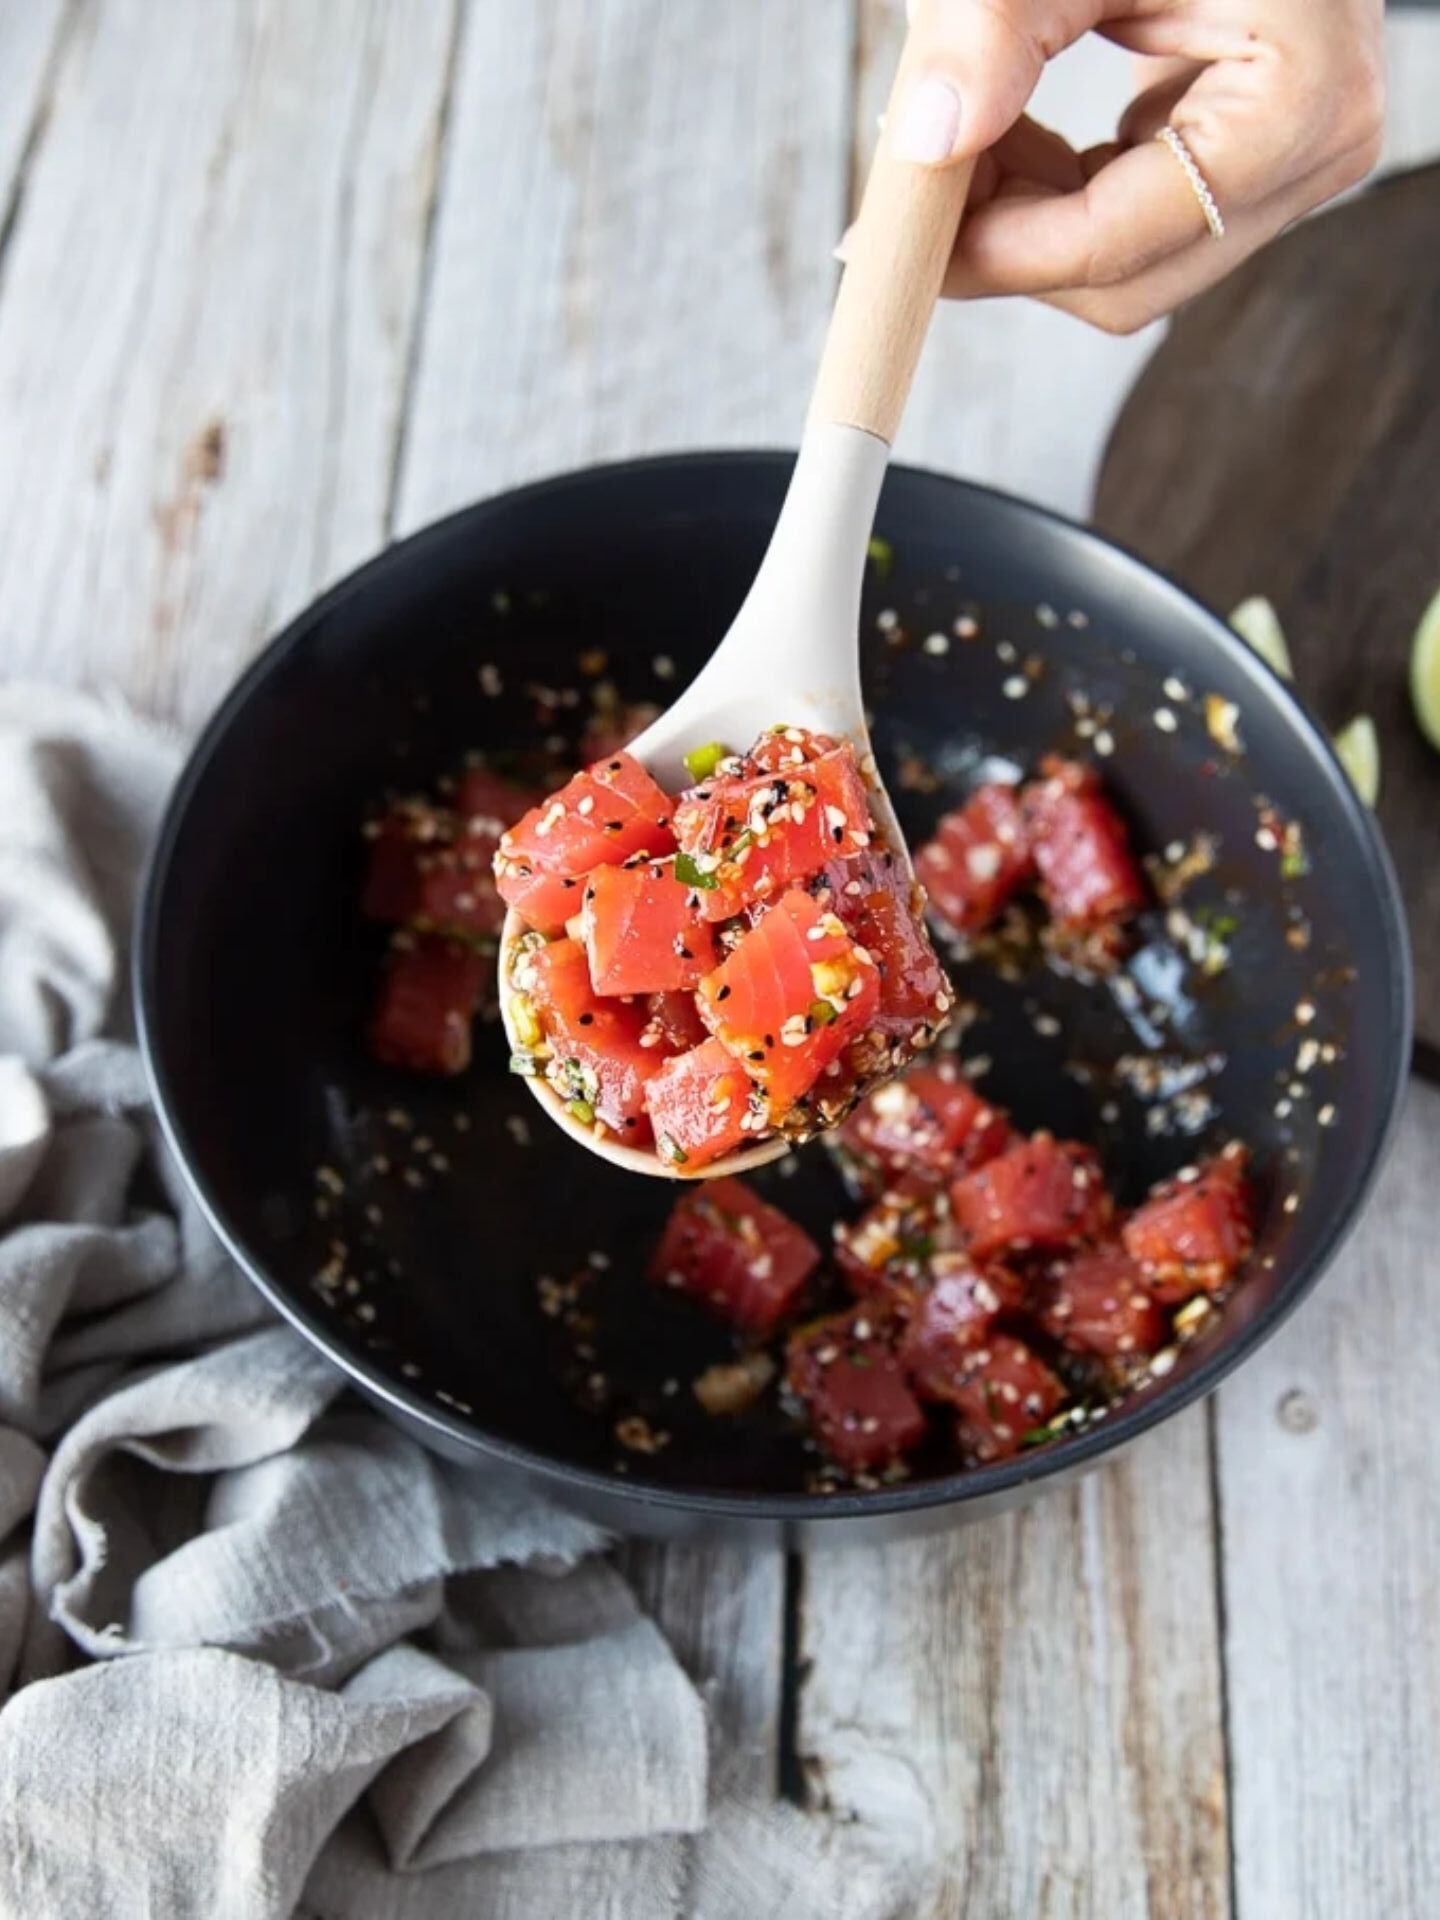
278, 282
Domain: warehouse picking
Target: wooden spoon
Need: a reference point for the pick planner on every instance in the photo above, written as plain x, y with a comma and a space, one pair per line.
792, 654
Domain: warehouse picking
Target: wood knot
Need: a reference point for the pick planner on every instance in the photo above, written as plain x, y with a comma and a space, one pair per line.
1297, 1412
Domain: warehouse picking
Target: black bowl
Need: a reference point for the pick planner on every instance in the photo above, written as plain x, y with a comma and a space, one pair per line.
254, 970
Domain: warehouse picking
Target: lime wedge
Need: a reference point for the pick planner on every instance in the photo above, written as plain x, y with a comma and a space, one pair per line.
1257, 622
1358, 746
1425, 672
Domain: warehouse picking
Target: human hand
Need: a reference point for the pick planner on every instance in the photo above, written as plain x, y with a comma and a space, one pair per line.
1279, 102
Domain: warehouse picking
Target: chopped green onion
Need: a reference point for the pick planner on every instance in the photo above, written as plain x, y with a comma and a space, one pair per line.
525, 1020
881, 555
701, 762
1293, 864
524, 1063
689, 875
821, 1012
582, 1111
671, 1150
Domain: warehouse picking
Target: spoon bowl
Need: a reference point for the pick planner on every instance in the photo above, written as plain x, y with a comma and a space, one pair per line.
791, 655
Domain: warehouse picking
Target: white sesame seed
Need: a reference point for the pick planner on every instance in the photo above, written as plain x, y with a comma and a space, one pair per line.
1165, 720
936, 643
1176, 689
1104, 744
1016, 687
663, 667
887, 620
1326, 1115
966, 627
491, 685
1047, 616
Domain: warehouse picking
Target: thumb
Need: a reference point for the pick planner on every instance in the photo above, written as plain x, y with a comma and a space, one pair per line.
973, 66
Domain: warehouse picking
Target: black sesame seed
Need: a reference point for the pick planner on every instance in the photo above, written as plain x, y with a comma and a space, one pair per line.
723, 994
587, 1019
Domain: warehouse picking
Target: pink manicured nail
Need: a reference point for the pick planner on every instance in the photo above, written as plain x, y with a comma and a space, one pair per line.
841, 250
929, 122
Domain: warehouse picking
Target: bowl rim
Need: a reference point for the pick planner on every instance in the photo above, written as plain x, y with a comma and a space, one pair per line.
986, 1485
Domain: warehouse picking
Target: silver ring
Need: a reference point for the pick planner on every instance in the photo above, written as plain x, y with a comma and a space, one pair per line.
1200, 186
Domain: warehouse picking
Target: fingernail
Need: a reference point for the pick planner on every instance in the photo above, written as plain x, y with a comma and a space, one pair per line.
929, 122
841, 249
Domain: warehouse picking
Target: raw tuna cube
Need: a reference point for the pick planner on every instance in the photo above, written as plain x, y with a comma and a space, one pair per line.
749, 839
1043, 1193
727, 1247
486, 804
641, 933
931, 1120
883, 910
794, 992
1008, 1393
455, 893
396, 843
887, 1249
675, 1022
979, 857
598, 1060
1088, 874
703, 1104
783, 749
845, 1371
952, 1320
604, 815
1194, 1231
1098, 1303
428, 996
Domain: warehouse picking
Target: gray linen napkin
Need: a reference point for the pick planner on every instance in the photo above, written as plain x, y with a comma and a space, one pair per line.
251, 1636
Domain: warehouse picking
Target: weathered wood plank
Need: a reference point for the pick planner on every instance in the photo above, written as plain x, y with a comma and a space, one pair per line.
205, 329
30, 39
1010, 392
633, 241
1331, 1500
1029, 1710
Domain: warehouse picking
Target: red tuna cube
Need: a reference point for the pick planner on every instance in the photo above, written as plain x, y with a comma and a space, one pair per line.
732, 1250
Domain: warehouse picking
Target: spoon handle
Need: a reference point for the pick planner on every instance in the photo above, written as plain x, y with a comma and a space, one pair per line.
898, 252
